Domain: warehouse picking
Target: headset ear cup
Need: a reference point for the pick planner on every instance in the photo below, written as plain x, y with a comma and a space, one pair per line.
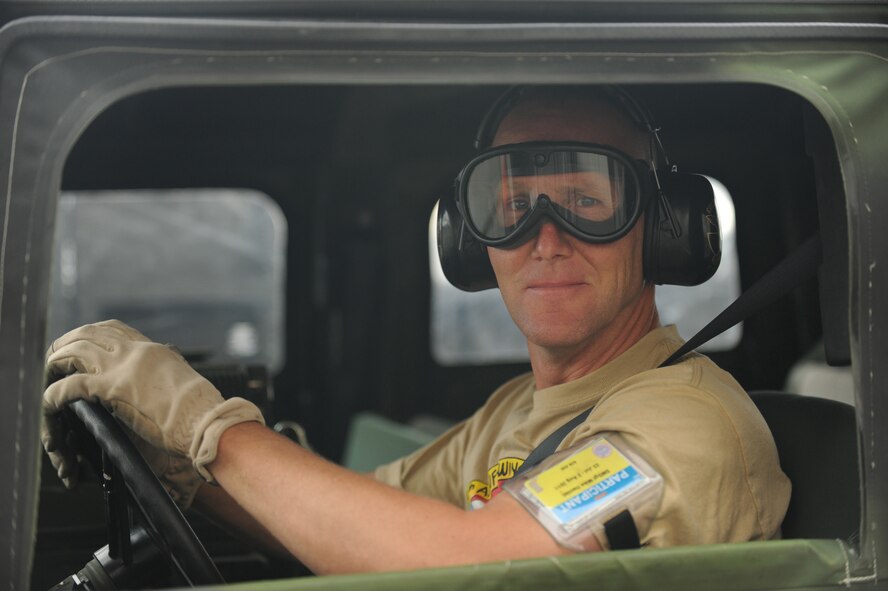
463, 259
692, 255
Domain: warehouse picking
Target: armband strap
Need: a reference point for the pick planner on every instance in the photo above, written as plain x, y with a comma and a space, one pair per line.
621, 532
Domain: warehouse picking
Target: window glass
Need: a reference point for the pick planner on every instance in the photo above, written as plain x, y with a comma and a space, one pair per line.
475, 328
200, 268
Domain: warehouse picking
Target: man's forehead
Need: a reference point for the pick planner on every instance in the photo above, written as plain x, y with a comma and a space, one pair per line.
574, 120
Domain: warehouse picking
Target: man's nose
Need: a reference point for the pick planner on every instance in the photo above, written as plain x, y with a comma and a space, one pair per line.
551, 241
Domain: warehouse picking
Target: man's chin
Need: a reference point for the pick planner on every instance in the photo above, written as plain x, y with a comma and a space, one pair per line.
559, 339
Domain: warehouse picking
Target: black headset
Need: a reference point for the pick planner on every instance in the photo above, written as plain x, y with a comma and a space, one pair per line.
682, 244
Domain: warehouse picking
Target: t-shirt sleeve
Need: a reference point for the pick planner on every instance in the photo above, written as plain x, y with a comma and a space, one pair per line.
433, 470
437, 470
722, 480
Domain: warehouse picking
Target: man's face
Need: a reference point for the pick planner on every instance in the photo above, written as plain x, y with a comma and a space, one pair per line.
563, 292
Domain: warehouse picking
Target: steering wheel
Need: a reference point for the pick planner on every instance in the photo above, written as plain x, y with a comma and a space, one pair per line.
165, 524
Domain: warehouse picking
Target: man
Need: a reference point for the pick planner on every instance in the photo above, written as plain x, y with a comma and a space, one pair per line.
594, 340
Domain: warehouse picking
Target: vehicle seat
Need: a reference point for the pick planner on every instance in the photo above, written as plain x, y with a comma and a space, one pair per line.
817, 443
374, 440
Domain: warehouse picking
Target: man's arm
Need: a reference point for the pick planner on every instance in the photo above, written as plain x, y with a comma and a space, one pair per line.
332, 519
214, 503
217, 505
338, 521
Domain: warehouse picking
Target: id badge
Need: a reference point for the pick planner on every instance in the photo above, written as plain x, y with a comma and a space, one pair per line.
575, 492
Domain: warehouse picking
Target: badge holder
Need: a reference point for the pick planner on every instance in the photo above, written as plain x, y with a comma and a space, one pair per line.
575, 492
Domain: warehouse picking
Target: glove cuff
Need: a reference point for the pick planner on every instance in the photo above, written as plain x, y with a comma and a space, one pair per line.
181, 483
205, 444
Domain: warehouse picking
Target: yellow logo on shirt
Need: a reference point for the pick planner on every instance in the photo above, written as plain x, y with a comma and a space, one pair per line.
478, 492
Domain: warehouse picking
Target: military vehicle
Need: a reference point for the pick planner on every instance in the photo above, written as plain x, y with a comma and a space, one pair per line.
256, 181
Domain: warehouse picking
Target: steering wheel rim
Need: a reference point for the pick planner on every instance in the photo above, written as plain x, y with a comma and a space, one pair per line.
186, 550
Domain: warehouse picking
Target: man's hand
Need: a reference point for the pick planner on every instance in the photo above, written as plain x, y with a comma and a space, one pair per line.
177, 475
148, 387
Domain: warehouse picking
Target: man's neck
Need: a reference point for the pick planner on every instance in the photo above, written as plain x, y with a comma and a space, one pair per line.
553, 366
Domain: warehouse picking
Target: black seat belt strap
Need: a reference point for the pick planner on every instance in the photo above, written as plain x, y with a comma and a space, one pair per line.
551, 443
779, 281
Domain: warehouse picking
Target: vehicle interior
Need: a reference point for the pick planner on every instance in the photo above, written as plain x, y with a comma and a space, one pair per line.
329, 317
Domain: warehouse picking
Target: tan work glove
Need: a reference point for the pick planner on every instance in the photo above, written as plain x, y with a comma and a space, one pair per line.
148, 387
177, 475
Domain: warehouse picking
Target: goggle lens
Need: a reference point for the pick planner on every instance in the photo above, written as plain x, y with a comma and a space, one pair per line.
596, 193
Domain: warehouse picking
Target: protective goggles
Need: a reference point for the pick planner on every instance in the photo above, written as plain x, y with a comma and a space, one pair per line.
592, 192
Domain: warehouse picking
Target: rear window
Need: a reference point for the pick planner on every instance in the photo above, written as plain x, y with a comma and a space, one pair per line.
201, 268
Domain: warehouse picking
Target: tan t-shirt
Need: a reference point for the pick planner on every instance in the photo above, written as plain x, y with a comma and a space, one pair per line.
691, 421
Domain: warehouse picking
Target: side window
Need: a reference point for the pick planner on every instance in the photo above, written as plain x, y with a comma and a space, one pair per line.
201, 268
475, 328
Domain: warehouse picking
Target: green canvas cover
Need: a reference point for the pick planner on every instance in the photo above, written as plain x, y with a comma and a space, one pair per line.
785, 564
